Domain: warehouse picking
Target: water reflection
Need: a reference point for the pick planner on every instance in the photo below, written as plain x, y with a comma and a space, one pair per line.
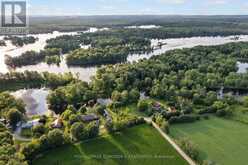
34, 99
243, 67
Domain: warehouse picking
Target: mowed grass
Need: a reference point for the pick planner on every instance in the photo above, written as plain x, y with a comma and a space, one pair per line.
140, 145
220, 140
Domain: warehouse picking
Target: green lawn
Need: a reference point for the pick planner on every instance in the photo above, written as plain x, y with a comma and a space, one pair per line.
222, 141
138, 141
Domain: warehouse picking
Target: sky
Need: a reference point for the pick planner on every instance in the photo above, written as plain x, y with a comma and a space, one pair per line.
140, 7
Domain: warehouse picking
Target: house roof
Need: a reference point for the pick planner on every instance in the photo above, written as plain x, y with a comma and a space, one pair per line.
90, 117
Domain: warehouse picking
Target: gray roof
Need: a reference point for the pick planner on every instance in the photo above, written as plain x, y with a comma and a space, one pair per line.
90, 117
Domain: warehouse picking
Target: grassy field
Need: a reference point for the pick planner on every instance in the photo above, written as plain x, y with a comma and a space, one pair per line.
138, 141
219, 140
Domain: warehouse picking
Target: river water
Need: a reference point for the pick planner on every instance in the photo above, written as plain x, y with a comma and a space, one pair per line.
35, 99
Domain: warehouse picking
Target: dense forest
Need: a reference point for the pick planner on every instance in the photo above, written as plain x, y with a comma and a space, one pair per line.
33, 79
21, 41
32, 57
97, 56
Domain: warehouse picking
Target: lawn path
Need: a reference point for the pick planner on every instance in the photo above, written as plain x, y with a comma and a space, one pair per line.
176, 147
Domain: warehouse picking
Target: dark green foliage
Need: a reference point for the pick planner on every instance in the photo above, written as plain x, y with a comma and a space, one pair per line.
221, 113
183, 119
14, 116
21, 41
33, 79
38, 131
31, 57
97, 56
76, 94
78, 132
189, 148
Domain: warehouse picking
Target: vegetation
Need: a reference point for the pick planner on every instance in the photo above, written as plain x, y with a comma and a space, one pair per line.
76, 94
32, 57
21, 41
208, 136
118, 149
97, 56
53, 60
8, 152
33, 79
11, 109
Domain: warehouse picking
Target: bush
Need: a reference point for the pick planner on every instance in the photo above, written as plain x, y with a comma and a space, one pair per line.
143, 105
183, 119
165, 127
189, 148
38, 131
78, 131
207, 110
168, 115
221, 113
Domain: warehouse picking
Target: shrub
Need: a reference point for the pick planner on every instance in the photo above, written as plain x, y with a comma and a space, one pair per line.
221, 113
207, 110
183, 119
38, 131
189, 148
168, 115
165, 127
78, 131
143, 105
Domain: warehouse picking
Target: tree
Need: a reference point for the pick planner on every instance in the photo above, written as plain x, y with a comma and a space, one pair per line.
14, 116
93, 129
78, 131
143, 105
245, 102
38, 131
219, 105
100, 109
134, 96
56, 138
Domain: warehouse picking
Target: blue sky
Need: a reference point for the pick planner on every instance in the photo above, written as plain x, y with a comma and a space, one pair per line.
124, 7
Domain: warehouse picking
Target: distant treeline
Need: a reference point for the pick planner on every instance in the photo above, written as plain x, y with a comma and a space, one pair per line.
229, 24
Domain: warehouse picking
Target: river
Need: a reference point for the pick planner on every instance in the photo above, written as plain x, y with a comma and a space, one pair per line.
35, 99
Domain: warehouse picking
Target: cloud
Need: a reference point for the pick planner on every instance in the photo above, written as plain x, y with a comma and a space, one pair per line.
177, 2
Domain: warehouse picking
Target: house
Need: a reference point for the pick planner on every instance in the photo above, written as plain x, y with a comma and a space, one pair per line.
157, 106
58, 123
104, 101
89, 118
172, 109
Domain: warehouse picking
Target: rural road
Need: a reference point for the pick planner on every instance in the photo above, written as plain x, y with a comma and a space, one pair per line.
166, 137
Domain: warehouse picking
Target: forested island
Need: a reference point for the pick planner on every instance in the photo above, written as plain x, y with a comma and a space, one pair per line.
97, 56
33, 79
21, 41
32, 57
